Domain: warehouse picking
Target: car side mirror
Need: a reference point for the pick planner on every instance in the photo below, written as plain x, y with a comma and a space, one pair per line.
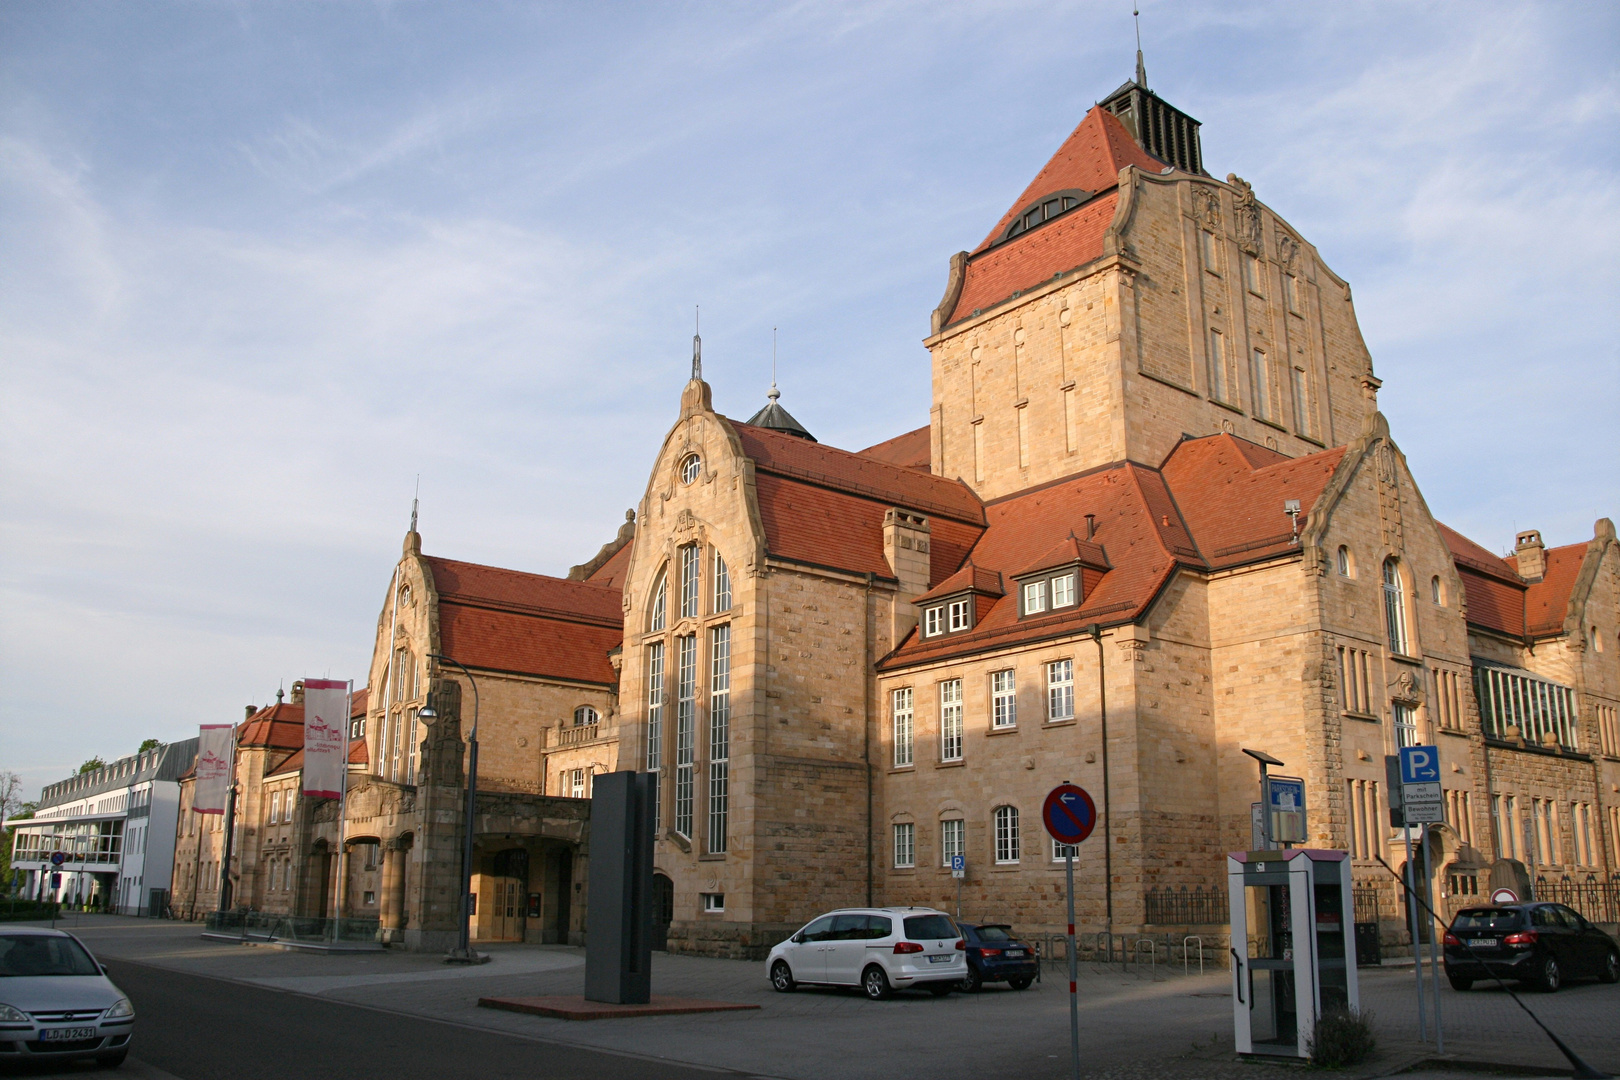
798, 939
103, 968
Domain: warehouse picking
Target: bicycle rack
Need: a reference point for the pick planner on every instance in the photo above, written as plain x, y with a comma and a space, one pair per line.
1185, 942
1153, 954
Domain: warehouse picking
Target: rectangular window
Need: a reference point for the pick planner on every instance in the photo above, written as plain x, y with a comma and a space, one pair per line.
950, 720
1007, 849
1406, 733
1302, 410
275, 808
1291, 292
1063, 590
1060, 690
691, 567
685, 730
719, 736
905, 845
952, 841
959, 614
1355, 680
655, 724
1537, 708
722, 585
714, 902
933, 622
1034, 597
1061, 851
1208, 250
1260, 373
1252, 274
1003, 700
901, 713
411, 743
576, 783
1218, 387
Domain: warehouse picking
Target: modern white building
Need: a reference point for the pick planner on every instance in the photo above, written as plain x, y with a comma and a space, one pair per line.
107, 836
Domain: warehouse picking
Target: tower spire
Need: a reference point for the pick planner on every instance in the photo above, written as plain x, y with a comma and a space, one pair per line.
1141, 68
697, 343
415, 499
774, 393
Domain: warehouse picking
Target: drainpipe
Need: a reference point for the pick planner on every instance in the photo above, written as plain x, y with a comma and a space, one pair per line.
1108, 834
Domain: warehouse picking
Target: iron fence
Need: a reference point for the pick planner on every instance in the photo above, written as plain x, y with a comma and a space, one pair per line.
1197, 906
1598, 901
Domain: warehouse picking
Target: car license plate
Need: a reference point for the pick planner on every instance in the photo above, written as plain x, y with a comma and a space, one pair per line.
1482, 942
945, 959
1015, 952
67, 1034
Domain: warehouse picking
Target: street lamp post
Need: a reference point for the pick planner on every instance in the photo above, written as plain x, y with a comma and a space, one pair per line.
464, 953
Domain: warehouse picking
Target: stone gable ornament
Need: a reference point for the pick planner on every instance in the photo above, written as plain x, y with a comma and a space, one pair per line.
1287, 251
1207, 207
1246, 214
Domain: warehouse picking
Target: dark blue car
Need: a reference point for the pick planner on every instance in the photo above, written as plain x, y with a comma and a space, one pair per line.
995, 955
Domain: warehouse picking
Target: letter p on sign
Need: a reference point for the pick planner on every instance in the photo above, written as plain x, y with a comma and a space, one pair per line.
1420, 765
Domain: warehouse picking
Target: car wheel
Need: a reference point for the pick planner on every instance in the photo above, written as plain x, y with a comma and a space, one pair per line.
876, 983
112, 1060
971, 982
1549, 978
940, 989
1020, 982
782, 977
1460, 983
1610, 971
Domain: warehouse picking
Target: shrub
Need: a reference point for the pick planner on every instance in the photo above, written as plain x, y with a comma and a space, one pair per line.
1343, 1037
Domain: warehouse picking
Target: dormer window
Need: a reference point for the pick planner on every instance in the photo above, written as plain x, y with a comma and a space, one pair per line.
934, 622
951, 617
1063, 590
961, 614
1049, 207
1034, 597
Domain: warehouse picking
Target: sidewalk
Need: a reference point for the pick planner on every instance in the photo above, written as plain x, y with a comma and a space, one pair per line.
1136, 1024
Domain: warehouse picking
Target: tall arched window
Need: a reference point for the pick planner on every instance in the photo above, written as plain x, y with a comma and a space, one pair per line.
584, 716
1395, 608
1346, 566
691, 572
660, 603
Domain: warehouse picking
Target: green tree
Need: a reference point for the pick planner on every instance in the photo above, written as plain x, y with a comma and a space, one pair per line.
12, 808
92, 765
148, 744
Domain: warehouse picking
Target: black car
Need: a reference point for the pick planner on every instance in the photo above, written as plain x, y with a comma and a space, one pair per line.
995, 955
1539, 944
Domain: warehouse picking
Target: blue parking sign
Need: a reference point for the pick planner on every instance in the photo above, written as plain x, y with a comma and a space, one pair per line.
1420, 764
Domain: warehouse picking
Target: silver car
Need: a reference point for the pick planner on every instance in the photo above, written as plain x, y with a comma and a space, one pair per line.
56, 1001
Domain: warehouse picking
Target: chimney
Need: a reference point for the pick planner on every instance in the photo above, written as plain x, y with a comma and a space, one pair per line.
905, 546
250, 711
298, 692
1532, 555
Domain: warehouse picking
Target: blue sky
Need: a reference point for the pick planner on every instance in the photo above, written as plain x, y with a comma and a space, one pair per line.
266, 263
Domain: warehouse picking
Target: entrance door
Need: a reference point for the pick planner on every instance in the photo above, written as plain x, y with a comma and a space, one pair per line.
663, 899
511, 875
1273, 1020
565, 894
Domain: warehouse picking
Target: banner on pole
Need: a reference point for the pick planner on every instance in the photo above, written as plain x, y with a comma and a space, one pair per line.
214, 752
326, 737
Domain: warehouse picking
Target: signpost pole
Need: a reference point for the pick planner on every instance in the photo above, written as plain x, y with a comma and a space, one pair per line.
1412, 924
1434, 959
1074, 993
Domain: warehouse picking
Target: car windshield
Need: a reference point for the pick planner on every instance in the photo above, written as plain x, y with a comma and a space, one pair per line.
1488, 919
919, 927
40, 954
995, 933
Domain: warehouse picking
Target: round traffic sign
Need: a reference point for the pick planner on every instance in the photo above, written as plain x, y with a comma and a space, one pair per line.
1069, 814
57, 858
1504, 896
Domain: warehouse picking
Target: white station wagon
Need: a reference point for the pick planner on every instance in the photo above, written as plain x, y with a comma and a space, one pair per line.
878, 949
56, 1002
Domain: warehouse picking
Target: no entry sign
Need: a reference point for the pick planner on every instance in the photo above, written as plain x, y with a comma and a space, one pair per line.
1069, 814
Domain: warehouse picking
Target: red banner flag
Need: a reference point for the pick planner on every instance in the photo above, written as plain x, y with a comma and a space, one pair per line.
214, 751
326, 737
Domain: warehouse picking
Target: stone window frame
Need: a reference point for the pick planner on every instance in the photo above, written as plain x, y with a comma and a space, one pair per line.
903, 845
1004, 719
691, 467
945, 743
1006, 835
946, 847
910, 741
1048, 667
1397, 616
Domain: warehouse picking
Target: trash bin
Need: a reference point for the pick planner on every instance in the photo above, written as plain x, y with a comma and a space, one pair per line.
1367, 951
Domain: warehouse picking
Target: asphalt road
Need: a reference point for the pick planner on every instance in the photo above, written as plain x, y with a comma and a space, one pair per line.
197, 1028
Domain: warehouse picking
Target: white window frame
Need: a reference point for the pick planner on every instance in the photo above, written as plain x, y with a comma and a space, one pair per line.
961, 617
1404, 716
719, 737
691, 468
902, 713
658, 615
1063, 590
691, 580
905, 845
1003, 700
576, 783
1060, 850
934, 621
950, 720
275, 807
1008, 847
1059, 690
952, 839
722, 585
1396, 629
685, 732
1034, 597
714, 903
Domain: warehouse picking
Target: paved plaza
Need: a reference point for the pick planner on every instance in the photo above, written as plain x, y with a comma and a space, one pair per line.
1134, 1022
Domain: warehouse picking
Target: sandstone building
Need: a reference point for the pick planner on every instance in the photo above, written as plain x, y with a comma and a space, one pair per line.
1155, 518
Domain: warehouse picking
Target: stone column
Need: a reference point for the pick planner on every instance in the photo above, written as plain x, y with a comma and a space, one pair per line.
386, 920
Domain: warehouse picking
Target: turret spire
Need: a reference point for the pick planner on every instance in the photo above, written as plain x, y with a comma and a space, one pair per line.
697, 343
1141, 68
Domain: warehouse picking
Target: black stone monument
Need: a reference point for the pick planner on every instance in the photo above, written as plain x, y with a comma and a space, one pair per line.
619, 915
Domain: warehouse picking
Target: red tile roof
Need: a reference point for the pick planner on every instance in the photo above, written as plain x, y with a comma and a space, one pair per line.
610, 574
913, 450
1035, 257
1547, 601
1492, 589
358, 755
969, 578
279, 726
514, 590
1216, 489
1089, 159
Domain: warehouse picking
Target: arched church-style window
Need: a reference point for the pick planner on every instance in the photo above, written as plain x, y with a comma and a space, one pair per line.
584, 716
657, 613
